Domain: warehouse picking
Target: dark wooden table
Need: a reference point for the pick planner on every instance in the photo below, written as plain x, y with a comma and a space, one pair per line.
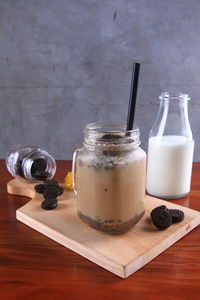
33, 266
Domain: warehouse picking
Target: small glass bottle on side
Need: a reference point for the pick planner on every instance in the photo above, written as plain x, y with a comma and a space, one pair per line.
31, 163
170, 149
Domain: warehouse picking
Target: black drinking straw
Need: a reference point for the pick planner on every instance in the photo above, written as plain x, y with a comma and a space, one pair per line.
133, 96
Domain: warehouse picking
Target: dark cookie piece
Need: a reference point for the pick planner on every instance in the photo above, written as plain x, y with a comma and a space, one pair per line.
40, 175
107, 137
39, 164
161, 217
158, 208
49, 204
111, 137
176, 215
39, 188
60, 190
50, 192
19, 170
50, 182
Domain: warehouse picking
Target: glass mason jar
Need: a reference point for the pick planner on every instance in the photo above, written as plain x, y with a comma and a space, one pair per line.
170, 149
109, 177
30, 162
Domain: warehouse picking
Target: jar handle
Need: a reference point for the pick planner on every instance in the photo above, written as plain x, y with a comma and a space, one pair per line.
74, 170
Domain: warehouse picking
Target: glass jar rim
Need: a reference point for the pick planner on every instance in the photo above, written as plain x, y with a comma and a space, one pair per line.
35, 154
174, 96
117, 127
94, 136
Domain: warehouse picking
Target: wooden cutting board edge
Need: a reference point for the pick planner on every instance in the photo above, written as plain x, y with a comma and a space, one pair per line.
72, 245
153, 252
121, 270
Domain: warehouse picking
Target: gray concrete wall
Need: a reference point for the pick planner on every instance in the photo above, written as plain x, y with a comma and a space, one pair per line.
66, 63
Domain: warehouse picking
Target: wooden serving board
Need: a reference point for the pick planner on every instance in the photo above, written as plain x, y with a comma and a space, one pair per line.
121, 254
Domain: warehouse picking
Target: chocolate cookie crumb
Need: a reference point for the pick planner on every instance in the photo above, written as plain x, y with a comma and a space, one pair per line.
114, 227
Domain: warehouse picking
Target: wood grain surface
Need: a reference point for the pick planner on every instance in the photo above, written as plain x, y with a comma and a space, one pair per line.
34, 267
121, 254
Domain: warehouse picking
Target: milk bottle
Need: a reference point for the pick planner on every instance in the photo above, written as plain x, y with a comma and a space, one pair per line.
170, 149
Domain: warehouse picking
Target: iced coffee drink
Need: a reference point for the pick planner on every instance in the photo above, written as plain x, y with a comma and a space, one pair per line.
110, 179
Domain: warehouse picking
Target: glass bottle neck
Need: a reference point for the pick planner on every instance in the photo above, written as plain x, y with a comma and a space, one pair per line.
172, 118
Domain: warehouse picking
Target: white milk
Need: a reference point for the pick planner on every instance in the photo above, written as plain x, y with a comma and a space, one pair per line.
169, 166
